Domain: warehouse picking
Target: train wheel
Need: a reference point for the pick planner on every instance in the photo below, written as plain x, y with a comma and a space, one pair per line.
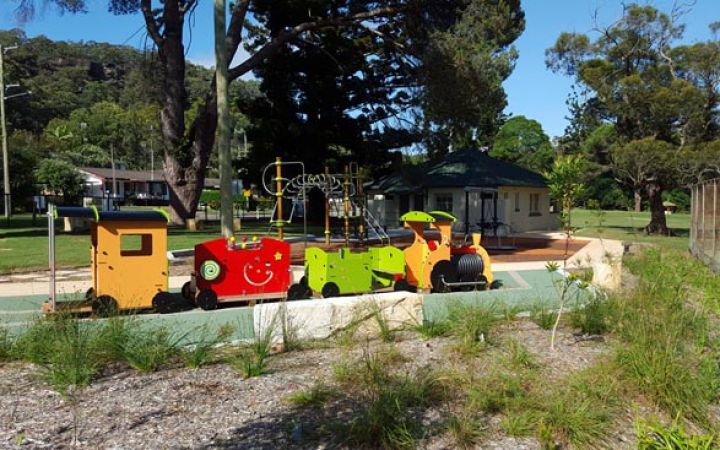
207, 299
403, 285
298, 291
90, 295
497, 284
187, 291
163, 302
443, 270
330, 290
105, 306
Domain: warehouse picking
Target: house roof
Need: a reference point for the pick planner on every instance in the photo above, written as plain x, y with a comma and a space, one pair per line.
130, 175
462, 169
138, 175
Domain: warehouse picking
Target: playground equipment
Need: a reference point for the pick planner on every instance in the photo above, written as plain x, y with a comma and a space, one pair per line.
437, 265
129, 266
230, 272
346, 272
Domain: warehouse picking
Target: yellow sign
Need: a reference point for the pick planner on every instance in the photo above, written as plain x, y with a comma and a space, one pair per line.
247, 193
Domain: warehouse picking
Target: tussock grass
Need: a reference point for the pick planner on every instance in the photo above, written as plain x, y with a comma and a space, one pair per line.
202, 351
653, 435
666, 347
251, 360
543, 316
465, 429
472, 325
429, 329
148, 350
314, 396
390, 399
7, 344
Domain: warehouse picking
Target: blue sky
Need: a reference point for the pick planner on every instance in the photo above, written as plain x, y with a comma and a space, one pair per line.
532, 90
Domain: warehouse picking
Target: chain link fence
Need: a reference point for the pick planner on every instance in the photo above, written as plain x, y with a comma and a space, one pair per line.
705, 223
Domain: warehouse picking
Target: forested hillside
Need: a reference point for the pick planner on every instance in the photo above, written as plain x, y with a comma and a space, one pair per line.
87, 98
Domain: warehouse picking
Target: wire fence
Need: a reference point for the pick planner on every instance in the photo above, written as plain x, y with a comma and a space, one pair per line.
705, 223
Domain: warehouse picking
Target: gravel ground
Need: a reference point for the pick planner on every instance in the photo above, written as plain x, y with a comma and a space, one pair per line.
215, 408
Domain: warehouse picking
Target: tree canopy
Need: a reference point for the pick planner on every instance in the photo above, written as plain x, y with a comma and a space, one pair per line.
658, 97
523, 141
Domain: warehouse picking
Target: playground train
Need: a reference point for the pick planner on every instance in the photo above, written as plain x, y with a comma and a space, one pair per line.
130, 270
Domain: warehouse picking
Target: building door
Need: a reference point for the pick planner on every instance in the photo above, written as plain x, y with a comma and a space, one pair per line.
418, 202
404, 204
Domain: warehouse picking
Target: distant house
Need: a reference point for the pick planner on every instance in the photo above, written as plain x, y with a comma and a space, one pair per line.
131, 185
482, 192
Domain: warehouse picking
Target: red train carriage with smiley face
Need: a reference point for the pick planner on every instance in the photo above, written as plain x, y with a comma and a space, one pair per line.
230, 272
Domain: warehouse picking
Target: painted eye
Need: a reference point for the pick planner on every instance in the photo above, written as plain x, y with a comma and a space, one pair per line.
210, 270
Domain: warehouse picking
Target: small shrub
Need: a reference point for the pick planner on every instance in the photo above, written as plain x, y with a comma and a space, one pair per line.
543, 316
202, 351
314, 396
35, 344
654, 436
147, 350
592, 317
432, 328
465, 430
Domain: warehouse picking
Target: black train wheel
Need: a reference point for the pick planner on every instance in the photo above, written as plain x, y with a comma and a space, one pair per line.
298, 291
105, 306
163, 302
187, 291
443, 271
403, 285
207, 300
330, 290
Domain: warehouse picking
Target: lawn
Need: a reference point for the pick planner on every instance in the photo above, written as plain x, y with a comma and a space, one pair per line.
627, 226
23, 245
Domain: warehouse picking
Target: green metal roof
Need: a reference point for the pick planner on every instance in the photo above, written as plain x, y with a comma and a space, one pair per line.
463, 168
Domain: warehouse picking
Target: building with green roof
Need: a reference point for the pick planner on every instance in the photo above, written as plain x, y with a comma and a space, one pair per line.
483, 192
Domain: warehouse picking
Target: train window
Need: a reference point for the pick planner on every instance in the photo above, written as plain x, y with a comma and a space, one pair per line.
135, 244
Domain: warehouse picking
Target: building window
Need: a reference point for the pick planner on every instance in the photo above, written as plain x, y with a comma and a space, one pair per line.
517, 202
534, 204
444, 202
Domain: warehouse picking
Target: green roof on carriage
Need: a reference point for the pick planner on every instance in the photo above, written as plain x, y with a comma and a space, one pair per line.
462, 168
417, 216
442, 215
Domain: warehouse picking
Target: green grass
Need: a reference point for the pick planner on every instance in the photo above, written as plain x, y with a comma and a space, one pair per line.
23, 246
627, 226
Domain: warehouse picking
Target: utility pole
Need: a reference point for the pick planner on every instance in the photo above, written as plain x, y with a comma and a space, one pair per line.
3, 127
223, 129
6, 168
152, 156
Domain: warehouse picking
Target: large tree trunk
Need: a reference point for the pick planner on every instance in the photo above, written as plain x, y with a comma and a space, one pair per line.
638, 200
658, 224
183, 167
